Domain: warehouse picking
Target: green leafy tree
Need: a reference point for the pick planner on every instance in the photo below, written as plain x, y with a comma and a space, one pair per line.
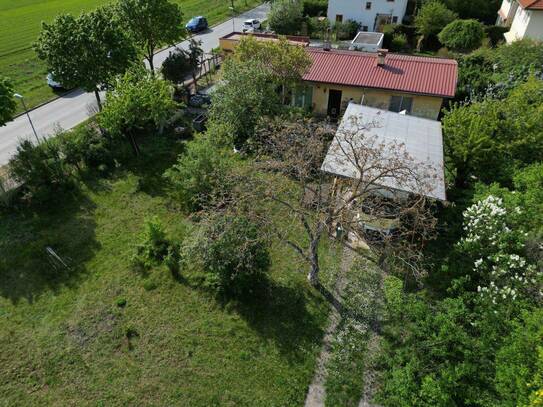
487, 140
194, 57
432, 17
152, 24
87, 51
248, 92
462, 35
199, 173
176, 66
7, 101
285, 16
286, 64
232, 251
140, 99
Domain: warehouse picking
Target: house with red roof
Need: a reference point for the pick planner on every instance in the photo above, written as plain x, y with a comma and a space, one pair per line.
524, 17
400, 83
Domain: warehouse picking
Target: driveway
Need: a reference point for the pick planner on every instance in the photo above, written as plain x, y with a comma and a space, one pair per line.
76, 106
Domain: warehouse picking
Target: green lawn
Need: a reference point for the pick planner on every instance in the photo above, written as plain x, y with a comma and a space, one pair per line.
65, 341
20, 22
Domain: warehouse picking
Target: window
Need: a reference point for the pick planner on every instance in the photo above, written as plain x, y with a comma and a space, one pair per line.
368, 5
394, 19
339, 18
400, 103
364, 28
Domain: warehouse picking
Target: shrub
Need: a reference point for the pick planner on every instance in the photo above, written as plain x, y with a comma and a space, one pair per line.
232, 253
285, 16
153, 247
317, 28
86, 145
399, 43
346, 30
198, 173
462, 35
42, 169
315, 8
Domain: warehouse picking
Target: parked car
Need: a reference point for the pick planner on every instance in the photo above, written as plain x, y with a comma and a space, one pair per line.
251, 25
52, 83
197, 24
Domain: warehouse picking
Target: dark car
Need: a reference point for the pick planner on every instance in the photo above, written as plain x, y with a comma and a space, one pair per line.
196, 24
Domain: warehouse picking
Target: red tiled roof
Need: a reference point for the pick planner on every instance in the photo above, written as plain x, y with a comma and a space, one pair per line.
403, 73
531, 4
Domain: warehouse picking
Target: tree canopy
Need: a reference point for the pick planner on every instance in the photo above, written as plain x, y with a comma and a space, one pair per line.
138, 99
87, 51
462, 35
432, 17
7, 101
488, 139
285, 16
152, 24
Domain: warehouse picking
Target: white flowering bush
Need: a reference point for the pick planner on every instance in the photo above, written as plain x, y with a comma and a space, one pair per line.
494, 241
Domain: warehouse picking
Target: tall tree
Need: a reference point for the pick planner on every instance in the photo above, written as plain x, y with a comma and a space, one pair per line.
139, 99
285, 16
7, 102
320, 204
152, 24
87, 51
432, 17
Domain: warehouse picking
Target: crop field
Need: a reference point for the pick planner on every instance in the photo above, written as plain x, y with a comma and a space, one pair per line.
20, 22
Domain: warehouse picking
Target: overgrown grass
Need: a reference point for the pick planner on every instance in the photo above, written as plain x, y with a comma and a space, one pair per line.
99, 333
21, 24
350, 358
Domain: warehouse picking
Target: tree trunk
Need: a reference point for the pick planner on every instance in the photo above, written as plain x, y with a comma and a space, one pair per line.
98, 101
151, 63
419, 43
313, 276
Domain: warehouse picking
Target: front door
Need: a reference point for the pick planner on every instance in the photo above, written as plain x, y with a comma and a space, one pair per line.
334, 103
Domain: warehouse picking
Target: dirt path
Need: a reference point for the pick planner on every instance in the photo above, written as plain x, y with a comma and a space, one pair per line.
316, 394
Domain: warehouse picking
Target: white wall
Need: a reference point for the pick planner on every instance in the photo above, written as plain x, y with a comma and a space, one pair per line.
356, 10
526, 24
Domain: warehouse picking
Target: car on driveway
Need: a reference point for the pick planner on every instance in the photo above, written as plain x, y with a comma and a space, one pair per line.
197, 24
251, 25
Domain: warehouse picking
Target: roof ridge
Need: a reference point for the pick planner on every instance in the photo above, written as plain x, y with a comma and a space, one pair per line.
362, 54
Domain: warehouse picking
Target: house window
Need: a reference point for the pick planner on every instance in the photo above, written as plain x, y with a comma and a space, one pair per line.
368, 5
364, 28
394, 19
339, 18
400, 103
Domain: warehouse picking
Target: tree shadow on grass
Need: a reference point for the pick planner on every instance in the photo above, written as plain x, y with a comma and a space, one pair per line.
158, 153
283, 314
27, 267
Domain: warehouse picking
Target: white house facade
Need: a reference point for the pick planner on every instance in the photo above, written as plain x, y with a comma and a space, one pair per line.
371, 14
523, 17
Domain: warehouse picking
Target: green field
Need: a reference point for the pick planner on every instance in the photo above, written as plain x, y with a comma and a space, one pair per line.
65, 341
20, 22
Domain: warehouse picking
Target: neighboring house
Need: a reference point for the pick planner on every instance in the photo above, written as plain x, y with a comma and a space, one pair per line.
523, 17
371, 15
230, 41
399, 83
421, 138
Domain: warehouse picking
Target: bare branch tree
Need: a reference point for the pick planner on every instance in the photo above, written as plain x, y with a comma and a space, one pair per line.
356, 196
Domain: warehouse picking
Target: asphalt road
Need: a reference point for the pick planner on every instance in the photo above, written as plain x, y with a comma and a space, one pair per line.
76, 106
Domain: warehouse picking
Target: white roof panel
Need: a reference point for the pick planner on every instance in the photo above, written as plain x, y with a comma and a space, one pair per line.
422, 138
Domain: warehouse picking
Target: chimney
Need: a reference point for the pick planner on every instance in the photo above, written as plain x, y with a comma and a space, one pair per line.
381, 56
